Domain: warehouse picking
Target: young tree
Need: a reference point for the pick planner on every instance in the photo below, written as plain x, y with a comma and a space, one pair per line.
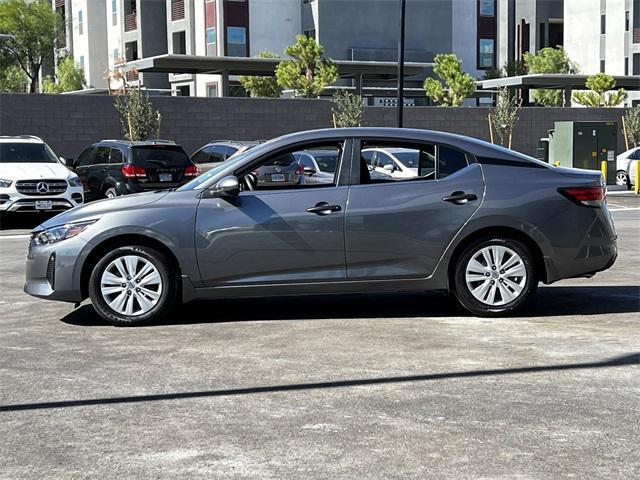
598, 85
457, 84
13, 79
262, 86
139, 119
549, 60
35, 28
307, 73
632, 125
504, 115
348, 109
70, 77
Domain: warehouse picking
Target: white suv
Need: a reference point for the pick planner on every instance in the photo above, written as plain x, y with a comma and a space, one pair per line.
33, 179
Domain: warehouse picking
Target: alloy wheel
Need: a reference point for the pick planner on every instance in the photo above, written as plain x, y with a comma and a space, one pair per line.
496, 275
621, 178
131, 285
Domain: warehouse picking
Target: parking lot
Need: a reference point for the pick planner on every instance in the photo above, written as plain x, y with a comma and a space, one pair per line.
360, 386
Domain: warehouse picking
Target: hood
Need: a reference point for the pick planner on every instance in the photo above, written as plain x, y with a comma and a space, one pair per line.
101, 207
34, 171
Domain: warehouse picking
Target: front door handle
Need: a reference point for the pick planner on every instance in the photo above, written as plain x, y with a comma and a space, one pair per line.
460, 198
323, 208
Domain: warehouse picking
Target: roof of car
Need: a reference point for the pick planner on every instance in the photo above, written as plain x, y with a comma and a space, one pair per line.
241, 143
137, 143
20, 139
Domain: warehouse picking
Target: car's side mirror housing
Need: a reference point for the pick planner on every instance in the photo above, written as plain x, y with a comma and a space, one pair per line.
309, 171
62, 160
389, 168
228, 186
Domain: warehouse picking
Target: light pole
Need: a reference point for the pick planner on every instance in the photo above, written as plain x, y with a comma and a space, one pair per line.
400, 104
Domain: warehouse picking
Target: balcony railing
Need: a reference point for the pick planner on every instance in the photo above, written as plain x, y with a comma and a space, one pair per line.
636, 35
132, 76
131, 22
177, 10
59, 3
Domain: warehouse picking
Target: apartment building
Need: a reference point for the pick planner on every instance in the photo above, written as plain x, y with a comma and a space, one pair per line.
85, 37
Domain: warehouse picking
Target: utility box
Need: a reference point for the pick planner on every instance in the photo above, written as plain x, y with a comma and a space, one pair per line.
585, 145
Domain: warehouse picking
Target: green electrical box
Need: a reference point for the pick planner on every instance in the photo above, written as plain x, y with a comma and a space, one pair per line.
585, 145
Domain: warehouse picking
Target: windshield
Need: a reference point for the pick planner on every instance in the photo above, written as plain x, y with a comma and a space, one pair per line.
237, 159
23, 152
160, 156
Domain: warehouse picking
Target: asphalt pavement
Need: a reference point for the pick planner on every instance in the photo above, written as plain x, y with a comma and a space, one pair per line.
358, 386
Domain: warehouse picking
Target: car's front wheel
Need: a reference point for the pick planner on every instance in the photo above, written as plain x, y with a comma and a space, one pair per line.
133, 285
111, 193
623, 179
494, 276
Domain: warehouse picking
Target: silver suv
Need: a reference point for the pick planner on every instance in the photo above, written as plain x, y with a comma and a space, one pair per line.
34, 179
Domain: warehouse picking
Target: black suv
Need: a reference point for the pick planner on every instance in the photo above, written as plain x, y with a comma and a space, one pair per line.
117, 167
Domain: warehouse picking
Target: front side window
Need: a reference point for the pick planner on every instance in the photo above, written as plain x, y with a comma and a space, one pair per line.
102, 156
486, 52
23, 152
236, 41
285, 170
85, 157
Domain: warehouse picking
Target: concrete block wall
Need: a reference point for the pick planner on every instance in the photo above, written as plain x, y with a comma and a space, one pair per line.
69, 123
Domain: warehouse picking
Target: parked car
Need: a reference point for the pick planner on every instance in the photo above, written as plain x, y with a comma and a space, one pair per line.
625, 167
396, 162
319, 166
219, 151
111, 168
477, 227
281, 170
34, 179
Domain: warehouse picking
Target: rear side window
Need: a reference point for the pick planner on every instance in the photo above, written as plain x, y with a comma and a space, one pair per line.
160, 156
201, 156
116, 156
450, 161
102, 156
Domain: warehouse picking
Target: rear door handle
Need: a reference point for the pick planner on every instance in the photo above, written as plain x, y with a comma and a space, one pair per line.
323, 208
460, 198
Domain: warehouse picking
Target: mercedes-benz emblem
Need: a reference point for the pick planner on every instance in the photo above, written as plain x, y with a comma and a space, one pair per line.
42, 187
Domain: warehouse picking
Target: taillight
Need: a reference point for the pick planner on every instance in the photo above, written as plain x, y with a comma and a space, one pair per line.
586, 196
191, 171
131, 171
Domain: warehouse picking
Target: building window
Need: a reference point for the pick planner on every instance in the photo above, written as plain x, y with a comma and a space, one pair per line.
626, 21
212, 49
114, 12
183, 90
626, 66
601, 66
486, 53
179, 43
603, 24
311, 33
80, 23
212, 90
236, 41
542, 40
116, 55
81, 62
636, 64
487, 8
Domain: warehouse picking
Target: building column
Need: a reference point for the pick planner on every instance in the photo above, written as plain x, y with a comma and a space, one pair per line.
358, 83
567, 97
224, 84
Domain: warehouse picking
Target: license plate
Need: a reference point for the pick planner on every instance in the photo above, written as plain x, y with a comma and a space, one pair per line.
165, 177
44, 205
277, 177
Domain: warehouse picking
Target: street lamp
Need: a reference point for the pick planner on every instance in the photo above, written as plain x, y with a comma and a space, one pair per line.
400, 103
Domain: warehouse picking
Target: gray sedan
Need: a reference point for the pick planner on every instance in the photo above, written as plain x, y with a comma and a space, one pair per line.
478, 228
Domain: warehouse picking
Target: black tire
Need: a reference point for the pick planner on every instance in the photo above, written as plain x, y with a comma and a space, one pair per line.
166, 302
110, 193
469, 302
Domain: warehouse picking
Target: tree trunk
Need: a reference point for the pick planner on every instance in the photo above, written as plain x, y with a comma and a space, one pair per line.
33, 84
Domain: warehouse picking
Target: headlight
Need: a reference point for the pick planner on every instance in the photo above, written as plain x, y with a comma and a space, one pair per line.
75, 182
5, 183
57, 234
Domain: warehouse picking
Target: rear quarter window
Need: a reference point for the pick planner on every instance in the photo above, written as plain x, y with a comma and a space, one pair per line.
450, 161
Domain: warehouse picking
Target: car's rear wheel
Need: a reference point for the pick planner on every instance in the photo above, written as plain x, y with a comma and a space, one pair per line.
110, 193
133, 286
623, 179
495, 276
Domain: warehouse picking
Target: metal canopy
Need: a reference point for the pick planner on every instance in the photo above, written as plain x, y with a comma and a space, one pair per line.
196, 64
555, 81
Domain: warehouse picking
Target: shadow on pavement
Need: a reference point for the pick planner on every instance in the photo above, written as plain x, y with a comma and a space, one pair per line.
549, 301
23, 221
622, 361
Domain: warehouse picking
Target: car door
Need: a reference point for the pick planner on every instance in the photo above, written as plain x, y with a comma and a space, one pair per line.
274, 235
97, 171
81, 168
399, 228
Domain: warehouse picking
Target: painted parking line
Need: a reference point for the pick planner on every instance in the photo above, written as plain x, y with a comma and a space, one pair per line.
624, 209
13, 237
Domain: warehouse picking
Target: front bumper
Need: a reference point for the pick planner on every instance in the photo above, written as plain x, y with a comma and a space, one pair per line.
52, 271
13, 201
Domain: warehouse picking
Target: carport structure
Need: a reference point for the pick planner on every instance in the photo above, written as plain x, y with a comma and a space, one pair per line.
226, 66
555, 81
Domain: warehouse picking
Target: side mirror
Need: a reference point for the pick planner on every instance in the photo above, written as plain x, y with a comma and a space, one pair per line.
389, 168
62, 160
225, 187
309, 171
